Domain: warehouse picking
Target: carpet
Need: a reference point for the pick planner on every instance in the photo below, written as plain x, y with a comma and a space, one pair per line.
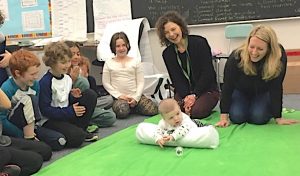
244, 150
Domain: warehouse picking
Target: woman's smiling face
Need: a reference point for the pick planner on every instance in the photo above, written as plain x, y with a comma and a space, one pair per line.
173, 32
257, 49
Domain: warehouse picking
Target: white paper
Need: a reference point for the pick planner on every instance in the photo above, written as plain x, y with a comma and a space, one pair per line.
4, 8
69, 19
131, 28
28, 3
43, 42
107, 11
33, 20
145, 48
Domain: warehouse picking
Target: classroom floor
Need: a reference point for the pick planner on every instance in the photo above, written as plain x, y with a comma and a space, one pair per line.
289, 101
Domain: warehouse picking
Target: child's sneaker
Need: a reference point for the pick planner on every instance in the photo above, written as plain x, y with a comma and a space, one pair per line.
90, 137
92, 128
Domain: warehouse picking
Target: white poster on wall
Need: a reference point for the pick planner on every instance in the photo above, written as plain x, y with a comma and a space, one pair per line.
4, 8
107, 11
69, 19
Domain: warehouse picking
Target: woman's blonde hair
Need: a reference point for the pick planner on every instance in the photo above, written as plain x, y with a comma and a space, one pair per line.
273, 65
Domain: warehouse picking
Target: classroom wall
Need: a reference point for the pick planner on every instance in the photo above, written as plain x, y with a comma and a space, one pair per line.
288, 32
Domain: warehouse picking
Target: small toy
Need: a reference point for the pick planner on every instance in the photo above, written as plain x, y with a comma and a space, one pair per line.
179, 151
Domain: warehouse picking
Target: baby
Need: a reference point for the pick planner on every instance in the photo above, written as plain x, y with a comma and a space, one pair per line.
176, 129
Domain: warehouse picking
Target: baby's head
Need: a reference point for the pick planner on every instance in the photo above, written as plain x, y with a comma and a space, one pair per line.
170, 112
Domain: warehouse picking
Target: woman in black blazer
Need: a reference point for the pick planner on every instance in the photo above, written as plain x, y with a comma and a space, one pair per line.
189, 63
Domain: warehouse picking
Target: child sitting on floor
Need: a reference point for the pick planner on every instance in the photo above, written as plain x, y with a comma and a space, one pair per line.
66, 110
23, 90
176, 129
81, 77
101, 117
79, 72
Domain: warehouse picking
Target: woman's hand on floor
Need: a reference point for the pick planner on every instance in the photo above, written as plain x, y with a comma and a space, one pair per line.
224, 121
282, 121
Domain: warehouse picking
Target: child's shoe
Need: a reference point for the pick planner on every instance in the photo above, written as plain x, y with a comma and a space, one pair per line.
90, 137
92, 128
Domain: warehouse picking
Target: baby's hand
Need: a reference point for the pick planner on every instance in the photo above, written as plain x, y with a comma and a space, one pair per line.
161, 142
168, 138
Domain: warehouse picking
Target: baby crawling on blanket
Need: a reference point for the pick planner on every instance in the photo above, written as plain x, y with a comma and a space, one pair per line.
176, 129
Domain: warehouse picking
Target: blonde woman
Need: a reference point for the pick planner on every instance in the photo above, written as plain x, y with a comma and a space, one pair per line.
253, 76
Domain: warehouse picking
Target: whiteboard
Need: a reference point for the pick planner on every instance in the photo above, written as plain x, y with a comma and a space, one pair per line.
108, 11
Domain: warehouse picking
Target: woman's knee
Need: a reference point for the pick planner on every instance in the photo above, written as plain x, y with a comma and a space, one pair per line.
238, 112
200, 113
237, 117
205, 104
260, 112
259, 118
201, 110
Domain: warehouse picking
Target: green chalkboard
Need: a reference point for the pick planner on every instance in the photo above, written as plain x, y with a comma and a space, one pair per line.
216, 11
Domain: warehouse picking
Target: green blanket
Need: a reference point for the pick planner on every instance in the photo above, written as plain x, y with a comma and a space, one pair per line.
270, 150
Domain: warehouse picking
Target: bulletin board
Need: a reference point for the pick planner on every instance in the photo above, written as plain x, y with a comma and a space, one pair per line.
26, 18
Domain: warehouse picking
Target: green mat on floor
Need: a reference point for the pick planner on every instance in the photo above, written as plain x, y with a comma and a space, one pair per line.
247, 150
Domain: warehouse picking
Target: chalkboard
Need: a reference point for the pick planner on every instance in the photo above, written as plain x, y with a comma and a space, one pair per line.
216, 11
